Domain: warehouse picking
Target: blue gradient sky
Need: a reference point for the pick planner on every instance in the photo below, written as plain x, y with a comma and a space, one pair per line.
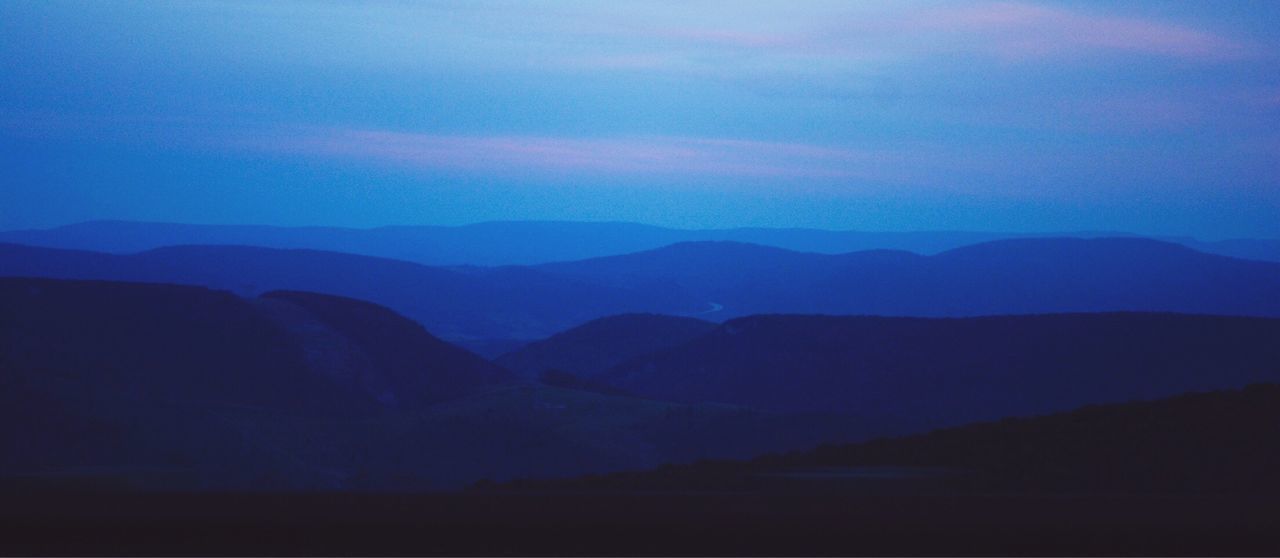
1150, 117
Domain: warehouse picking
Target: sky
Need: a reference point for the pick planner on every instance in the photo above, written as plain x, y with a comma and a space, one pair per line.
1028, 116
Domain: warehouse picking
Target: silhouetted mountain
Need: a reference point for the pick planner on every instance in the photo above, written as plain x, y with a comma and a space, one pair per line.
161, 342
1221, 442
373, 349
1001, 277
591, 348
951, 371
1263, 249
458, 303
530, 242
161, 386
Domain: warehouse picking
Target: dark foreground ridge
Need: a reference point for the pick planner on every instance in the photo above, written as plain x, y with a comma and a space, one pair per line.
723, 524
1225, 442
166, 387
1190, 475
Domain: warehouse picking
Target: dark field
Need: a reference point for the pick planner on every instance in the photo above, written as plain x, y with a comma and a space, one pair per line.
637, 524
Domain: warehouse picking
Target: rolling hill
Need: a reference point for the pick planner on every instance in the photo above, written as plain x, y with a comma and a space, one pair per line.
596, 346
999, 277
126, 385
483, 307
457, 304
1222, 442
943, 372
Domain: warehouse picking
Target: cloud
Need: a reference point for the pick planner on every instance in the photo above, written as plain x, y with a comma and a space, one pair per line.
1007, 31
1017, 30
630, 156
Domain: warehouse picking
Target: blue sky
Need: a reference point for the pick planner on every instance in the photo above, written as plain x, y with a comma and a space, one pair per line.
1150, 117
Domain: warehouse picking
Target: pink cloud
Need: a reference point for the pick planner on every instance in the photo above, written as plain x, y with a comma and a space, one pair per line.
1022, 30
610, 156
1012, 31
727, 37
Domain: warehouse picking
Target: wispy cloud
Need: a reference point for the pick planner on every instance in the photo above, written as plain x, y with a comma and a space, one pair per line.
1008, 31
1022, 30
654, 155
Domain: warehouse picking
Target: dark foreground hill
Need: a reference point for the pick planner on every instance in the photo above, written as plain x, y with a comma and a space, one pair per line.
368, 348
1187, 476
596, 346
1225, 442
457, 304
157, 386
1001, 277
956, 370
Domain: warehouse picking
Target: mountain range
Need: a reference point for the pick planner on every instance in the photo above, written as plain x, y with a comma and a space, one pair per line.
152, 386
535, 242
498, 306
456, 303
1021, 276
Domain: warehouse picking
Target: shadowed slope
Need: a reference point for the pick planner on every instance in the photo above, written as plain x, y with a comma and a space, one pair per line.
950, 371
410, 366
591, 348
1226, 442
176, 387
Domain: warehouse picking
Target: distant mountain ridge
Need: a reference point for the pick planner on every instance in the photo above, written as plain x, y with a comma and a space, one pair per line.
471, 303
536, 242
713, 281
1017, 276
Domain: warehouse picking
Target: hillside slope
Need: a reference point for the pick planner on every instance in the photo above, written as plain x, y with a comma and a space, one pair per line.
951, 371
1216, 442
1002, 277
456, 304
176, 387
591, 348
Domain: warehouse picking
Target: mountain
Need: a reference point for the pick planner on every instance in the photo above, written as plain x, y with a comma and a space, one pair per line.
1224, 442
491, 306
290, 351
529, 242
941, 372
164, 342
1264, 249
124, 385
591, 348
456, 303
369, 348
999, 277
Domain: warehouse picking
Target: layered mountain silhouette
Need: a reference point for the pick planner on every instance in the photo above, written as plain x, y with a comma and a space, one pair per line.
1224, 442
590, 349
943, 372
1000, 277
456, 303
493, 306
178, 387
532, 242
369, 348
